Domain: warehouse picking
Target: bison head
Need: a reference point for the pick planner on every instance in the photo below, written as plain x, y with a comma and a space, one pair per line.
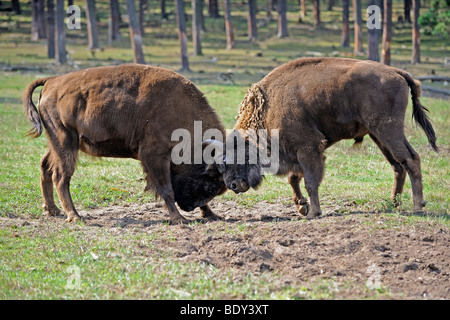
195, 185
240, 164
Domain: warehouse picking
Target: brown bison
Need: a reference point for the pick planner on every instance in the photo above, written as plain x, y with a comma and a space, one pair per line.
127, 111
314, 103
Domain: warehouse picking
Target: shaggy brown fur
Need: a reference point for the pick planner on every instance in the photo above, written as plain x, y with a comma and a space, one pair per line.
127, 111
315, 102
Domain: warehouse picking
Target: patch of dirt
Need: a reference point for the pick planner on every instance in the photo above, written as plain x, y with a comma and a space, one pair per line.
360, 251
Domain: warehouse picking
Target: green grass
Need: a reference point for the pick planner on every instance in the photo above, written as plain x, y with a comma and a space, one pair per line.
36, 264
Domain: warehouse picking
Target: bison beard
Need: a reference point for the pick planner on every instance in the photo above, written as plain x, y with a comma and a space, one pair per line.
315, 102
127, 111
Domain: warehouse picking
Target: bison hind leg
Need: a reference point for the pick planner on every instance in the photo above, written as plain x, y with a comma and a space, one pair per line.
299, 200
49, 206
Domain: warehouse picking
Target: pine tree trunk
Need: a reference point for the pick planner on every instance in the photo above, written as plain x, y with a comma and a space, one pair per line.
16, 6
50, 29
303, 6
373, 38
387, 33
115, 20
135, 33
251, 21
282, 22
228, 25
213, 9
316, 10
37, 20
91, 24
60, 36
182, 36
345, 40
358, 27
197, 27
142, 4
415, 33
407, 10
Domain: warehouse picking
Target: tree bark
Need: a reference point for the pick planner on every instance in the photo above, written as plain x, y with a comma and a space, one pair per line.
282, 21
16, 6
50, 28
142, 5
251, 21
182, 36
60, 36
345, 40
316, 11
115, 19
407, 10
163, 10
358, 27
38, 20
373, 38
415, 32
197, 27
213, 7
303, 6
91, 24
387, 33
135, 33
228, 25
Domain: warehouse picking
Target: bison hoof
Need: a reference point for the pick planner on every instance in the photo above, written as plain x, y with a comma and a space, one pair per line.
313, 215
73, 217
178, 220
302, 206
51, 211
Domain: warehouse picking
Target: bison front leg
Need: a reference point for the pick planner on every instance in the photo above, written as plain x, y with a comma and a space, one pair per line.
300, 202
208, 214
157, 169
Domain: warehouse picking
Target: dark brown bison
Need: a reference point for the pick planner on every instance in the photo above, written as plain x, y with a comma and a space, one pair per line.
127, 111
314, 103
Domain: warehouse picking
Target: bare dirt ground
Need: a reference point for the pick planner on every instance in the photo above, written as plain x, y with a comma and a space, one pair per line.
405, 258
410, 260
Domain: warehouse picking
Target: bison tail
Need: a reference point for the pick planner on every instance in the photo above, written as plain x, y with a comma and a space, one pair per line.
31, 110
419, 111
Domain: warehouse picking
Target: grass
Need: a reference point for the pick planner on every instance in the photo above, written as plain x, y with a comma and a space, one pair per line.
38, 265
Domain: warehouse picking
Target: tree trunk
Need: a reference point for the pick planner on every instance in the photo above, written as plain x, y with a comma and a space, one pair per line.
142, 5
182, 36
135, 33
91, 24
197, 27
373, 36
358, 27
316, 11
415, 32
37, 20
60, 36
345, 40
16, 6
50, 28
228, 25
387, 33
115, 19
407, 10
303, 6
213, 9
282, 22
251, 21
163, 10
330, 5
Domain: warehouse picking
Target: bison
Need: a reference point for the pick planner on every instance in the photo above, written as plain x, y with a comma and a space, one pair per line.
314, 103
127, 111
